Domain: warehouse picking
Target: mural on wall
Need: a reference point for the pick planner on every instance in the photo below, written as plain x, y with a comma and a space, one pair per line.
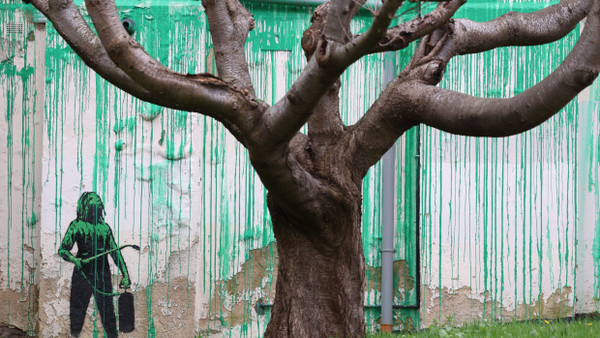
146, 163
498, 229
91, 274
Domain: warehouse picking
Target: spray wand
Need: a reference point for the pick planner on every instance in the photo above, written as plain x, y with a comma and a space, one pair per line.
89, 259
126, 307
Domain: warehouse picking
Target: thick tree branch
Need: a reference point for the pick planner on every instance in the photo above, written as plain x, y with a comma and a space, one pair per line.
467, 115
229, 23
379, 128
325, 119
325, 123
71, 26
401, 36
516, 29
459, 113
41, 5
206, 93
286, 117
339, 15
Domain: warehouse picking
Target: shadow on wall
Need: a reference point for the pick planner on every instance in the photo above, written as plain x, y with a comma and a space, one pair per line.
91, 274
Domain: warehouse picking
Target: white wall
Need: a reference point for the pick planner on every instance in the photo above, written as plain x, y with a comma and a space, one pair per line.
508, 227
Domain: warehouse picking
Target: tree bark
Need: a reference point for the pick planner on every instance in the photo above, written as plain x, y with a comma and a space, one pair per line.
319, 291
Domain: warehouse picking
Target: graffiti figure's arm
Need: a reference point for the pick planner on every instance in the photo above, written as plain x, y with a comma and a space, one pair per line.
118, 259
66, 245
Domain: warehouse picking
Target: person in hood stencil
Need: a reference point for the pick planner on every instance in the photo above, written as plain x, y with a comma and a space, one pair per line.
92, 277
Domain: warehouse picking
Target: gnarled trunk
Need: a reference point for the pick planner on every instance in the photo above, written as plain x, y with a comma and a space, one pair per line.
319, 290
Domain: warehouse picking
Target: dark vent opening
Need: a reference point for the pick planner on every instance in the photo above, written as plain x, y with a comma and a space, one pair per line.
14, 28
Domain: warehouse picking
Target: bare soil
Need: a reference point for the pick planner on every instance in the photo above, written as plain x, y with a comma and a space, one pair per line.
7, 331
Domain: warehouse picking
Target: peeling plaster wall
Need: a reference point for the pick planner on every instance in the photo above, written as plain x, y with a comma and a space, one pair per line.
21, 110
508, 227
588, 202
501, 217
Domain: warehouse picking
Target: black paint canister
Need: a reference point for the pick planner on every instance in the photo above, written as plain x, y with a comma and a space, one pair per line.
126, 312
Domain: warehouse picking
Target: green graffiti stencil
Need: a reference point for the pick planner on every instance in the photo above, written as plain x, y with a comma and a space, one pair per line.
92, 273
140, 154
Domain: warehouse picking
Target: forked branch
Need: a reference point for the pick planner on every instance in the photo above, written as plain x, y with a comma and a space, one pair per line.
516, 29
467, 115
342, 57
400, 36
283, 120
206, 93
229, 23
413, 97
72, 27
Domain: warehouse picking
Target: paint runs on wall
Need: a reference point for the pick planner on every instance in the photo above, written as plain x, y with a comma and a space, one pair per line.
498, 218
20, 77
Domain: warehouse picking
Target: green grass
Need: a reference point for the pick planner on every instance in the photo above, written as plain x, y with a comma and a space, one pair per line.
587, 327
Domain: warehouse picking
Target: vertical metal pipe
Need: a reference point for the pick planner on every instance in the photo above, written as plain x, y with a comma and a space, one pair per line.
387, 210
387, 245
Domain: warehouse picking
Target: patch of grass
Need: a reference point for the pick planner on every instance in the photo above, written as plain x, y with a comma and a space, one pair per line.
587, 327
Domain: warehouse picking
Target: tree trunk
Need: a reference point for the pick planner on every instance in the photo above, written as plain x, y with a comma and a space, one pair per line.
319, 291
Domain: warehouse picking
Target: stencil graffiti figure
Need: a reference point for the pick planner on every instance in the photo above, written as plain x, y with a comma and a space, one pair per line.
91, 275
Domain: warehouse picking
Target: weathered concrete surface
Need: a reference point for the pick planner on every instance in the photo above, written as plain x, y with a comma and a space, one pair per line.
233, 302
11, 331
75, 142
460, 306
405, 281
169, 305
18, 310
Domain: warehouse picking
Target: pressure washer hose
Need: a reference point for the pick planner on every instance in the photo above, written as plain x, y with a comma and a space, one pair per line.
87, 260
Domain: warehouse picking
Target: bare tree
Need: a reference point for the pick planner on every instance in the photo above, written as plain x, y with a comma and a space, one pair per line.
314, 180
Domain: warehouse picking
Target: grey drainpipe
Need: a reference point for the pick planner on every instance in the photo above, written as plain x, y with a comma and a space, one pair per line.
387, 211
387, 243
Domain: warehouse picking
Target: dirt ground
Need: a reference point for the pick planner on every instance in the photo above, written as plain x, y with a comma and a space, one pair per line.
11, 332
